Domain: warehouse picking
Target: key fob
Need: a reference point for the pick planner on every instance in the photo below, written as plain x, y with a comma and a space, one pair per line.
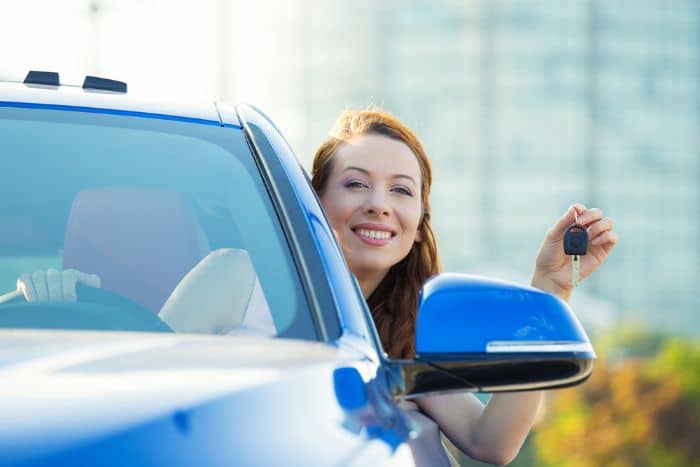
576, 240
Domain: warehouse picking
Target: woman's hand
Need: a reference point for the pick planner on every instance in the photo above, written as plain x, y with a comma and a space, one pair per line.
553, 266
54, 285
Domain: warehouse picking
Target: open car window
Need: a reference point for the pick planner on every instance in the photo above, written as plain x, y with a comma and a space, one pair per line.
171, 215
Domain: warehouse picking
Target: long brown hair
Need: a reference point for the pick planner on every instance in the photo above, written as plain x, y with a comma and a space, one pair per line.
394, 302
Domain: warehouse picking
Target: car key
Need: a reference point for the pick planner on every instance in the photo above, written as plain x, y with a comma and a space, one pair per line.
575, 245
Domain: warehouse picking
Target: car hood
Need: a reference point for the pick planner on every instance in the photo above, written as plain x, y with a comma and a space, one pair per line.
62, 387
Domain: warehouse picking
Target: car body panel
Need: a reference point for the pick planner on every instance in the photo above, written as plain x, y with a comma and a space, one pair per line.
92, 394
342, 283
87, 398
106, 101
98, 399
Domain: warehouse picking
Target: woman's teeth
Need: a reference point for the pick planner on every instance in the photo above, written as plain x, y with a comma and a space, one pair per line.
377, 234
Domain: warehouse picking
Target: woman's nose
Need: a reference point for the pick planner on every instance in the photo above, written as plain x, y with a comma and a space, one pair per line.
377, 203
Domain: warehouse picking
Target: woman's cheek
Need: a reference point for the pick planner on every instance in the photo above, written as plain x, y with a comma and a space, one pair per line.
412, 216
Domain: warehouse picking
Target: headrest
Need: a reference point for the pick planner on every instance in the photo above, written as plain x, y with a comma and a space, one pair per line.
140, 242
214, 295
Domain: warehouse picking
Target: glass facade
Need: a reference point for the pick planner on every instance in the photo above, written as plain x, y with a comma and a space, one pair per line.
525, 108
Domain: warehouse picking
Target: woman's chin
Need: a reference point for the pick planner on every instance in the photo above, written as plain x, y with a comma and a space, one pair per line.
370, 267
371, 262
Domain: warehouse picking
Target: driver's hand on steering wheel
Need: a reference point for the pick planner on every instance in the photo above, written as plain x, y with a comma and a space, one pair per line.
54, 285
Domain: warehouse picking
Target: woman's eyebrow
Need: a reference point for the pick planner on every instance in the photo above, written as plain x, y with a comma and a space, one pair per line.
359, 169
407, 177
366, 172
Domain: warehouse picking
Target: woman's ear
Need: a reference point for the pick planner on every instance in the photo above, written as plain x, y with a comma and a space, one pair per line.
419, 236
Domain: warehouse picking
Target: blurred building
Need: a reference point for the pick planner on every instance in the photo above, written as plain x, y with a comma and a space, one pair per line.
525, 107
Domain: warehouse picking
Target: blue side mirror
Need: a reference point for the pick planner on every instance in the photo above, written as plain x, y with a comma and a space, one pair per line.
470, 314
480, 334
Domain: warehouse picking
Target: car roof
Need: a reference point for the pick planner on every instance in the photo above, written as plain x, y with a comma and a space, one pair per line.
76, 96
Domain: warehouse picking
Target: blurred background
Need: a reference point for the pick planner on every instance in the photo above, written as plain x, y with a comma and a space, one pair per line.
524, 106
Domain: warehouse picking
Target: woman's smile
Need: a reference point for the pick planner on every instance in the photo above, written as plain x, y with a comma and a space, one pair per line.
373, 201
374, 234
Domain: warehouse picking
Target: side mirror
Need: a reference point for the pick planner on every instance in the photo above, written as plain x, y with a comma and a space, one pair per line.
480, 334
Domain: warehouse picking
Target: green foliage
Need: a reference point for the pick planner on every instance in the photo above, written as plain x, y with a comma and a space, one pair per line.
641, 407
680, 360
629, 340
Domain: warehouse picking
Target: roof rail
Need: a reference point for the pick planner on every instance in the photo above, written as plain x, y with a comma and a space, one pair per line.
49, 78
104, 84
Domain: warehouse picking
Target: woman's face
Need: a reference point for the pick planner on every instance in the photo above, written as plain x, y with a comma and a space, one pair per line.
373, 201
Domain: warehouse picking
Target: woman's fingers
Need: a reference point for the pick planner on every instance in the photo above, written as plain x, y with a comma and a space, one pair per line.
36, 286
606, 238
556, 232
54, 285
26, 286
590, 216
40, 286
603, 225
92, 280
70, 278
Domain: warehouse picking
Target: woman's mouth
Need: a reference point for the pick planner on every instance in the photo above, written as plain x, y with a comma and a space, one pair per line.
373, 237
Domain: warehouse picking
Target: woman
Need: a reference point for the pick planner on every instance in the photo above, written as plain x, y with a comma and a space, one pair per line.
373, 178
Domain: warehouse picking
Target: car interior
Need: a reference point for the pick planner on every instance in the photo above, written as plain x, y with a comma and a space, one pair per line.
153, 208
148, 247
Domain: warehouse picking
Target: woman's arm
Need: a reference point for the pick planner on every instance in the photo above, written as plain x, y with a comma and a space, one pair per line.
491, 433
494, 433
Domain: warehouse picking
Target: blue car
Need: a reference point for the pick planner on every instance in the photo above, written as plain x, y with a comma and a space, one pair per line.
225, 327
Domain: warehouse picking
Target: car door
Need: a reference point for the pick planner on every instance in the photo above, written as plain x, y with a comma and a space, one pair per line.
399, 424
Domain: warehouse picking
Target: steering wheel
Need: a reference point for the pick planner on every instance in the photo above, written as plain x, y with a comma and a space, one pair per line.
96, 309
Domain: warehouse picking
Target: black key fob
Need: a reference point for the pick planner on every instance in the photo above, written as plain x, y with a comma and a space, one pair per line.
576, 240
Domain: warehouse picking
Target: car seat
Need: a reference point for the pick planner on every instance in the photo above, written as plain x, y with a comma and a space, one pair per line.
220, 295
148, 245
140, 241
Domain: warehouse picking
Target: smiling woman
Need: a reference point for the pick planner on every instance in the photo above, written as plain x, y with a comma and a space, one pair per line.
373, 178
361, 191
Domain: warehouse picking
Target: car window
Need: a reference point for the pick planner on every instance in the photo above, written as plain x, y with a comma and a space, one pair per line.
171, 214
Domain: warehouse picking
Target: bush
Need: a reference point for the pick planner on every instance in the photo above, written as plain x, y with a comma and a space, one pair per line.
634, 411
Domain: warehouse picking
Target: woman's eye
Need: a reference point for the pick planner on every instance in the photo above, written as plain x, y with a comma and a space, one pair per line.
402, 190
355, 184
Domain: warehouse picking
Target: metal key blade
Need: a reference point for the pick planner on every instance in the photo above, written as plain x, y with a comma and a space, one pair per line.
575, 265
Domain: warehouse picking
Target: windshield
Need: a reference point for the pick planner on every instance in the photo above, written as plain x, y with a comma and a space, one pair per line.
172, 216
